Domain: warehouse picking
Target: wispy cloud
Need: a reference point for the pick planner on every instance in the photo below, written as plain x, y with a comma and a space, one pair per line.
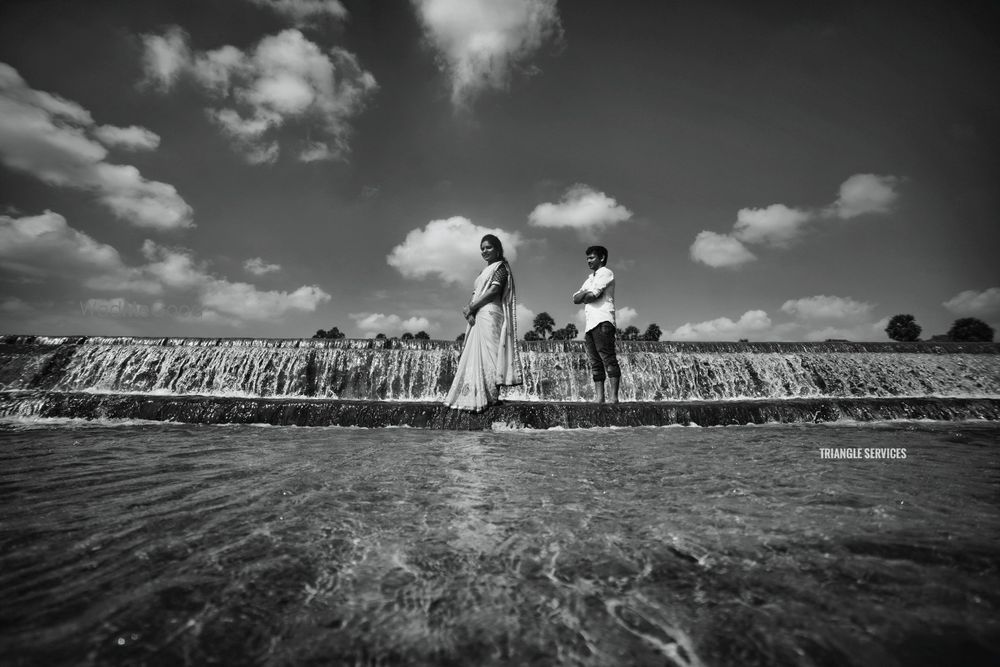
133, 138
259, 267
448, 249
824, 307
390, 325
45, 247
750, 325
973, 303
583, 209
285, 81
50, 138
814, 318
178, 269
13, 304
481, 42
861, 332
305, 12
779, 226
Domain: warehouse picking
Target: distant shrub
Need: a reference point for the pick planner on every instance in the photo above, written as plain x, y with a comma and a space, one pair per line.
971, 330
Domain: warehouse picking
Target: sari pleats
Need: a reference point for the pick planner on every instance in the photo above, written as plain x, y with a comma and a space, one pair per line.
490, 355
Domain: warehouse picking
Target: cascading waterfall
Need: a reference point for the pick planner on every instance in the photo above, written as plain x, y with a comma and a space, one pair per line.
35, 371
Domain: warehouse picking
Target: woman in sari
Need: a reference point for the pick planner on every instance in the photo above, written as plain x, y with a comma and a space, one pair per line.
490, 356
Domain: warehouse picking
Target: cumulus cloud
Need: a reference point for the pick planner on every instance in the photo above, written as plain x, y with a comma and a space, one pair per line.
778, 226
823, 307
285, 81
132, 138
390, 325
176, 269
775, 225
47, 136
582, 208
36, 247
865, 193
751, 323
719, 250
625, 316
305, 12
524, 316
165, 57
479, 43
448, 249
972, 303
259, 267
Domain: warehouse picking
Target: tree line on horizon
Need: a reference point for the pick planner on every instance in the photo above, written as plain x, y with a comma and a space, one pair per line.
335, 333
544, 324
904, 328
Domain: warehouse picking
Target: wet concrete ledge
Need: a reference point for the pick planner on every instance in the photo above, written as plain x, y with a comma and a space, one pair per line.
513, 414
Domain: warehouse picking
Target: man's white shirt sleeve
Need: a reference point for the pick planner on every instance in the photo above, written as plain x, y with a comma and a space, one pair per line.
600, 280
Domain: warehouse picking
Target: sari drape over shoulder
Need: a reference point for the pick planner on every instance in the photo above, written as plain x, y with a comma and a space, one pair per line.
490, 356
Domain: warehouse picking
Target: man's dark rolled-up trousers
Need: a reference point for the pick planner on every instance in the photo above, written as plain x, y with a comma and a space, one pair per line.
600, 343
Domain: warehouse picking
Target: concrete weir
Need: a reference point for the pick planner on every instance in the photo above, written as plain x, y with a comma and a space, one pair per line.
376, 383
509, 415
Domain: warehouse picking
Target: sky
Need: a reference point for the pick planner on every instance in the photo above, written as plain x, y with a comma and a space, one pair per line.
774, 171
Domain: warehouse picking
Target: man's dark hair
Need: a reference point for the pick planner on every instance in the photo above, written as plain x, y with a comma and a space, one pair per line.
600, 251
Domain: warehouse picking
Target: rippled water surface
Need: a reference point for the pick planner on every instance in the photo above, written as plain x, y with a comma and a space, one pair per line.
169, 544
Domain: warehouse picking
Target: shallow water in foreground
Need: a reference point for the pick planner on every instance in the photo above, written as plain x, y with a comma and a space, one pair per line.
170, 544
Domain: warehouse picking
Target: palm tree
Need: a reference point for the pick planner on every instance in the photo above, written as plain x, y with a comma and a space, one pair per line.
543, 324
568, 332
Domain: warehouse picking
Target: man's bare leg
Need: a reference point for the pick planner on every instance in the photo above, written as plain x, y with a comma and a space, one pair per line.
614, 389
599, 388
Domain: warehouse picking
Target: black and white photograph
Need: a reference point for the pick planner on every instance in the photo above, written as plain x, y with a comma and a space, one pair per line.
499, 332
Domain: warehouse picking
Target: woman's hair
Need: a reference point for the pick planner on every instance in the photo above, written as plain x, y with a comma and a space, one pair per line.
495, 242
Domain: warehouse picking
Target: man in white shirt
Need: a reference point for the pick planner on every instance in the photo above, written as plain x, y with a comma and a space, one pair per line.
598, 296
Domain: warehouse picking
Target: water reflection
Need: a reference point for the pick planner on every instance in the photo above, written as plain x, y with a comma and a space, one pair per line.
166, 544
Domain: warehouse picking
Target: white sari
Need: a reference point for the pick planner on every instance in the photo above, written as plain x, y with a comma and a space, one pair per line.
490, 355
